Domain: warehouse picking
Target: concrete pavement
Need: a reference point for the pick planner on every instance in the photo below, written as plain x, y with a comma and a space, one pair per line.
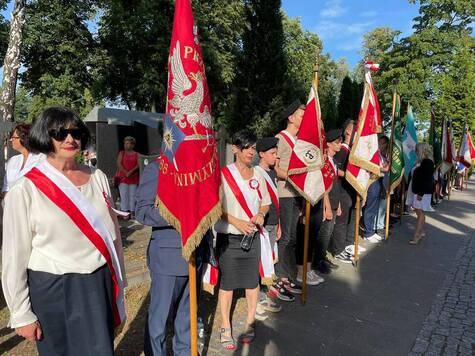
400, 299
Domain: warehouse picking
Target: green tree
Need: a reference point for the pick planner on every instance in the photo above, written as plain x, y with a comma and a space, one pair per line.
221, 28
259, 84
4, 29
131, 64
57, 53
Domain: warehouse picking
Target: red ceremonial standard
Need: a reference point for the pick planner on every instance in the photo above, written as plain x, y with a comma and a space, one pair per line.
466, 151
307, 172
363, 163
189, 178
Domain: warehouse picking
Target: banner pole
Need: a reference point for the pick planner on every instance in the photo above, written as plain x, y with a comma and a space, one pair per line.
193, 305
357, 229
388, 193
401, 208
305, 253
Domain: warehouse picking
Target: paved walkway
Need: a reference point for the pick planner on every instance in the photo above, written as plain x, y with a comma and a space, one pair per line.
401, 299
449, 329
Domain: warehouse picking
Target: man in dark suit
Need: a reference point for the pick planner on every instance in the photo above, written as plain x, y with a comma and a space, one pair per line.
169, 293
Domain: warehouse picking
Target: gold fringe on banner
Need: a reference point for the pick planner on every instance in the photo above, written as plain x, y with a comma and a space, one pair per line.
195, 238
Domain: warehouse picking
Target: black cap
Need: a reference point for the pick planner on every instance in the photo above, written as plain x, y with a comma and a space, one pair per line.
333, 135
292, 108
266, 143
346, 123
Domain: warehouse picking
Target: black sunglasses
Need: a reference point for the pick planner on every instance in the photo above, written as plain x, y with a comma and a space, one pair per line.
61, 134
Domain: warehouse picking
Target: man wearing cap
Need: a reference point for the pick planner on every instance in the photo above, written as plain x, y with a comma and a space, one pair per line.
290, 205
329, 209
267, 150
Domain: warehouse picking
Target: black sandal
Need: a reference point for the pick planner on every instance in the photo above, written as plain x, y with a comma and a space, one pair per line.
249, 335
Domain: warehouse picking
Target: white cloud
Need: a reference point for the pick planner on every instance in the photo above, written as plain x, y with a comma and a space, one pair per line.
328, 29
333, 9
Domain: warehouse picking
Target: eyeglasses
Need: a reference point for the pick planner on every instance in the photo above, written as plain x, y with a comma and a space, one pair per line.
61, 134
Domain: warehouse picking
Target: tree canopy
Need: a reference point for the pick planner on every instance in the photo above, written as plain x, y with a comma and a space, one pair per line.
81, 53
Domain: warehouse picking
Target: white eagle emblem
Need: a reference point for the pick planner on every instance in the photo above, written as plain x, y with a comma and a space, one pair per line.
187, 107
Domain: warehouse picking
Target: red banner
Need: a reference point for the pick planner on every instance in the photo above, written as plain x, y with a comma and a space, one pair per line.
309, 172
363, 165
189, 178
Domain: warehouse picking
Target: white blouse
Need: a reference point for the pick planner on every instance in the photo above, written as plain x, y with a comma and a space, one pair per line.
231, 206
38, 235
13, 170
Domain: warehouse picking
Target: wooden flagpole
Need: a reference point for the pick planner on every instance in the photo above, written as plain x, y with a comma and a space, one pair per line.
303, 297
193, 304
357, 229
306, 238
391, 143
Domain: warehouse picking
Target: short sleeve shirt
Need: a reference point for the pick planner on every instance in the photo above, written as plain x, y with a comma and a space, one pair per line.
284, 188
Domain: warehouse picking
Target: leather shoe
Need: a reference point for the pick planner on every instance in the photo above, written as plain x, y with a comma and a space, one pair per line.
323, 268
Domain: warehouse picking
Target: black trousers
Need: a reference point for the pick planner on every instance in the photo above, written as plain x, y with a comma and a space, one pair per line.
340, 238
289, 215
74, 311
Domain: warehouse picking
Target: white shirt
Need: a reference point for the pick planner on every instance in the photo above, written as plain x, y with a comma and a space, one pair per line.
13, 170
231, 206
37, 235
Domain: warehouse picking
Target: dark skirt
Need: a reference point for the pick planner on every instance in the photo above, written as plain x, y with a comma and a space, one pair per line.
74, 311
237, 268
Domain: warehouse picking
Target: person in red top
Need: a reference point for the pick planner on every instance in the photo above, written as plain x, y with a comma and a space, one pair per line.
128, 171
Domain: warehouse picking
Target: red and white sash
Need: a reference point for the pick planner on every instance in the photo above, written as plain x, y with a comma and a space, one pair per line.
345, 146
272, 189
62, 192
288, 138
241, 191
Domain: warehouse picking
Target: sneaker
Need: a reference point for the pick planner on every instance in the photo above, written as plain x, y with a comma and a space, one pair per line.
292, 287
331, 264
374, 239
281, 292
260, 313
350, 249
344, 257
313, 279
269, 305
316, 277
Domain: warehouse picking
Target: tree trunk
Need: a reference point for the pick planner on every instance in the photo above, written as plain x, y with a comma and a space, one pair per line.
11, 63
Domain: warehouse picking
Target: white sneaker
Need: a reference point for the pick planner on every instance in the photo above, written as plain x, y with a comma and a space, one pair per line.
313, 275
378, 237
261, 314
313, 279
351, 249
373, 239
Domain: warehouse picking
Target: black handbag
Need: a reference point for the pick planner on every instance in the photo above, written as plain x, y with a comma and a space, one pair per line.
246, 242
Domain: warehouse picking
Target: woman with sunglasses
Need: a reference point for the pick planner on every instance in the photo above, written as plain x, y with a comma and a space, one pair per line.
62, 260
18, 165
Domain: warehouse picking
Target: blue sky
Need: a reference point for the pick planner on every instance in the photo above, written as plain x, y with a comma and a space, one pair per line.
341, 24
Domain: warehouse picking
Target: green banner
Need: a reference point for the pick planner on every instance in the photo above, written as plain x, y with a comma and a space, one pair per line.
397, 164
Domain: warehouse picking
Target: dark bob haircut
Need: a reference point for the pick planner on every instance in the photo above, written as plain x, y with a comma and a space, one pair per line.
22, 131
55, 119
244, 139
